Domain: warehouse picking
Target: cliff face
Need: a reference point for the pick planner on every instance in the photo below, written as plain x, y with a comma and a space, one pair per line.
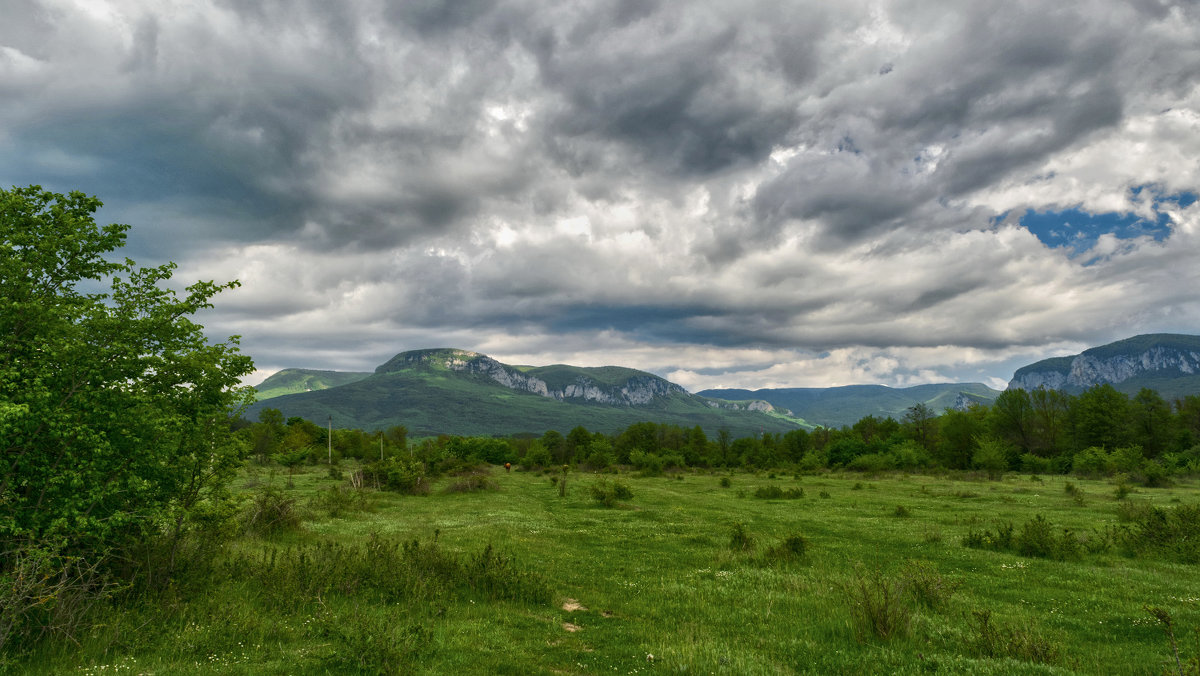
639, 389
1160, 355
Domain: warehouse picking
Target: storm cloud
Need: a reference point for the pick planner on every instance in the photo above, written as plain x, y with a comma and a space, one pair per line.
729, 194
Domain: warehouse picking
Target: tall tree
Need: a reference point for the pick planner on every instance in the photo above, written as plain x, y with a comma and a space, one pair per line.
114, 407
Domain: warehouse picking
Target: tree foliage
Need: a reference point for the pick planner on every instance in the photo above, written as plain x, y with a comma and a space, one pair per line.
114, 406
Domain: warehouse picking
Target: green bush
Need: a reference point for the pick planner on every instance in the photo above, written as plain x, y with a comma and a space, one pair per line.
271, 511
793, 547
925, 585
739, 539
1035, 464
1172, 533
397, 474
472, 482
608, 493
1024, 643
1091, 462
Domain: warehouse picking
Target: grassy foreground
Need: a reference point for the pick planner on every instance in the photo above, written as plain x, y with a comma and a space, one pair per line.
666, 581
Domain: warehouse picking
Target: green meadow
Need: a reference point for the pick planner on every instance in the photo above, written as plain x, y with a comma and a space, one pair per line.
696, 572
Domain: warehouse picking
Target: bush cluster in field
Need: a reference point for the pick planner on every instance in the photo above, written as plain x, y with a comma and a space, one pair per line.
777, 493
1171, 533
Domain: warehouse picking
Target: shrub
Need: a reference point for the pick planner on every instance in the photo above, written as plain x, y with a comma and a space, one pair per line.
1154, 474
398, 474
793, 547
338, 500
902, 512
1035, 464
1036, 538
990, 640
877, 605
536, 457
1126, 459
471, 483
726, 482
271, 511
777, 493
927, 586
872, 463
1173, 533
608, 493
45, 593
991, 455
1092, 462
739, 539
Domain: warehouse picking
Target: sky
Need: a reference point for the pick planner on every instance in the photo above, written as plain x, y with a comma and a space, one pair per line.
727, 194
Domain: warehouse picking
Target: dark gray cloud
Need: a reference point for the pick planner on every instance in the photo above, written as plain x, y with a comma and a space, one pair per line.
790, 193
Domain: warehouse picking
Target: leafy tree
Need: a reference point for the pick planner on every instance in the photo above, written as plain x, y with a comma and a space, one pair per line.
1049, 413
921, 422
1101, 417
957, 434
1012, 418
1153, 425
114, 407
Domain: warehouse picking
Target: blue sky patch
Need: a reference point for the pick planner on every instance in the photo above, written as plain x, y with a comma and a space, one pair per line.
1078, 230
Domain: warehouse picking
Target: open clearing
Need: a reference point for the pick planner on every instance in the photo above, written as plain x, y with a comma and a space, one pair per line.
662, 583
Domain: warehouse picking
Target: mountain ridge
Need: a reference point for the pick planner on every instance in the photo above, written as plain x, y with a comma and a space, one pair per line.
1166, 362
448, 390
847, 404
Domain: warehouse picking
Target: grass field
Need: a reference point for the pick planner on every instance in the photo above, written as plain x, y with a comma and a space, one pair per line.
666, 582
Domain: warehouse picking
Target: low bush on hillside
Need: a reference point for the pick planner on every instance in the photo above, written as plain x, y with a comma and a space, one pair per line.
739, 539
472, 482
792, 548
339, 500
989, 639
1172, 533
777, 493
271, 511
1037, 538
608, 492
397, 474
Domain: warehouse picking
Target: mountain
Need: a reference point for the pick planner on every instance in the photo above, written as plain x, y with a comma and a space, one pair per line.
1166, 362
838, 406
291, 381
450, 391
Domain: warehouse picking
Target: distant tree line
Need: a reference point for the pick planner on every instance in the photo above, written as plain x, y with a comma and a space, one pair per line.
1098, 432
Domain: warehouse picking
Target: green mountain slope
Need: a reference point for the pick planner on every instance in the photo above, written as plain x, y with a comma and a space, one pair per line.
838, 406
292, 381
446, 391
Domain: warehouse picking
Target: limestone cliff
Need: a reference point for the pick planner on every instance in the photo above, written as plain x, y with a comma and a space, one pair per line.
1158, 356
610, 385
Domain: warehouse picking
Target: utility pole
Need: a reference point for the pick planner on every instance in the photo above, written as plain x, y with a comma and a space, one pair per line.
330, 439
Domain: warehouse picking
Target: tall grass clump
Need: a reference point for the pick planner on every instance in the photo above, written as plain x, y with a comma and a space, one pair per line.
988, 639
385, 571
271, 511
877, 604
47, 594
1172, 533
739, 539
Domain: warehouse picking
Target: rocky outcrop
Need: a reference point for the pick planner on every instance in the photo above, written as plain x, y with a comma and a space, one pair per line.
637, 390
752, 405
1162, 355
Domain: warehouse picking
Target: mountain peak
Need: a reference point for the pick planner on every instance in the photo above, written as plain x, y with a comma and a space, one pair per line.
1164, 361
446, 357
